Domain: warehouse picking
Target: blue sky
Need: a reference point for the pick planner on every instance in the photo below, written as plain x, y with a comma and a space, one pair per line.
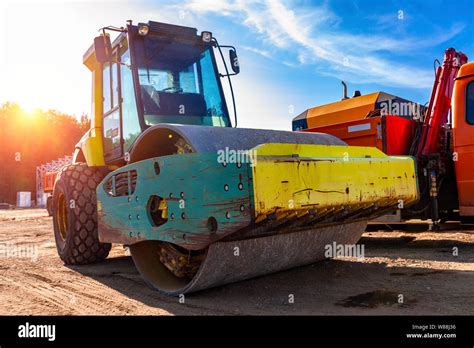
293, 53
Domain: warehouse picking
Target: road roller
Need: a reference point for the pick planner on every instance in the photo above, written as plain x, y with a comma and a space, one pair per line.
165, 171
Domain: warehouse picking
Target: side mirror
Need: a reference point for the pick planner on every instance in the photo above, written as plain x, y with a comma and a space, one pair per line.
234, 61
103, 49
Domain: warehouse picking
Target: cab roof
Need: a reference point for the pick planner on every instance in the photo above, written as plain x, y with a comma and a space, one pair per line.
166, 29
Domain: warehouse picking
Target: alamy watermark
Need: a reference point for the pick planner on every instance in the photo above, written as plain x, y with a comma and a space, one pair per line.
28, 330
335, 250
396, 108
15, 251
231, 156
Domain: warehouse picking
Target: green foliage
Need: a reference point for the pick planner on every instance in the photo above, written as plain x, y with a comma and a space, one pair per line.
28, 140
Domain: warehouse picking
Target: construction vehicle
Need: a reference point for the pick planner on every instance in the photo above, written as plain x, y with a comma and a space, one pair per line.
49, 180
198, 202
45, 178
439, 136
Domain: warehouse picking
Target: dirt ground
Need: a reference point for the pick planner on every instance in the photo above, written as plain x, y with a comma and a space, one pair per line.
419, 269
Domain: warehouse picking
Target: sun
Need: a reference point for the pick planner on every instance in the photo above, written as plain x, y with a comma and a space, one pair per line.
30, 113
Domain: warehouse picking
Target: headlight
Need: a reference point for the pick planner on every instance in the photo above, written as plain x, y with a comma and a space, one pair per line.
206, 36
143, 30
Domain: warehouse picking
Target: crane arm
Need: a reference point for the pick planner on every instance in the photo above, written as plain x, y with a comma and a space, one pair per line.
440, 102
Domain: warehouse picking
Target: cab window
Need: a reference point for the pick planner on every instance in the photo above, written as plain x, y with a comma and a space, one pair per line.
470, 103
106, 88
131, 124
112, 136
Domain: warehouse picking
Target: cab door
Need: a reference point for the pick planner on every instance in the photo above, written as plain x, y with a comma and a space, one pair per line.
463, 131
112, 127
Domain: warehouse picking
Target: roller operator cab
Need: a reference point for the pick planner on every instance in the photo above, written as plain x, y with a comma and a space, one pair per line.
163, 171
151, 74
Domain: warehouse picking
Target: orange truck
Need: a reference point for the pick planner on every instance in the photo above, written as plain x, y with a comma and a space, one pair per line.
45, 179
48, 182
440, 136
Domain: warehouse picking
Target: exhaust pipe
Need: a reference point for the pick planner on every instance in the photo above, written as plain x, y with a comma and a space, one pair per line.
344, 89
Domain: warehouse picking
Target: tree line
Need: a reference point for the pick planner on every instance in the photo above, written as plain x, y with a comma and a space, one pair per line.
30, 139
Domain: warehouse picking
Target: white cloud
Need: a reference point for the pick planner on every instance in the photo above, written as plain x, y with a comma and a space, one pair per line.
311, 34
223, 7
258, 51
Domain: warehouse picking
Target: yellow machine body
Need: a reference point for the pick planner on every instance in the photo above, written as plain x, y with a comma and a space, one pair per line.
292, 179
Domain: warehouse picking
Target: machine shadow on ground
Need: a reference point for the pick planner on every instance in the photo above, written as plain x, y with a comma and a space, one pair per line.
424, 249
333, 287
